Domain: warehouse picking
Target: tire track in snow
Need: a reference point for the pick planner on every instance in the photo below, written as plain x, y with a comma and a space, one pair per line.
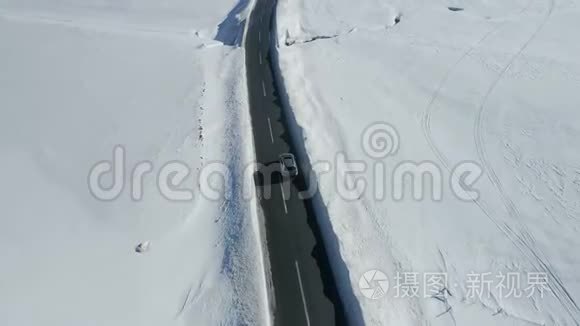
427, 114
426, 120
522, 237
523, 241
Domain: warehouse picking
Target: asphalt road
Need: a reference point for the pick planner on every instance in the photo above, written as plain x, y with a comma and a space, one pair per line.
303, 286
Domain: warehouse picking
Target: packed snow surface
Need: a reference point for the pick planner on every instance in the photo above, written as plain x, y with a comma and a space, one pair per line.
77, 79
495, 83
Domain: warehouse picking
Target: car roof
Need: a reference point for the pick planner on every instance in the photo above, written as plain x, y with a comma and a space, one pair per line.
288, 160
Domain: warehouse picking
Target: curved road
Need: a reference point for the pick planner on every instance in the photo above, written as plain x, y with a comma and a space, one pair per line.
304, 292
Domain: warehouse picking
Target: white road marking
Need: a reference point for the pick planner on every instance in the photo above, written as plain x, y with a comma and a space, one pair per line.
271, 134
284, 199
302, 292
260, 55
264, 88
260, 37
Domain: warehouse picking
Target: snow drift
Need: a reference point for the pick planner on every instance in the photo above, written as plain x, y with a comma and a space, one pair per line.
79, 78
491, 82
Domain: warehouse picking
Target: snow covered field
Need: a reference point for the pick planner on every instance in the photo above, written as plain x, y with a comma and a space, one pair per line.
493, 82
78, 78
